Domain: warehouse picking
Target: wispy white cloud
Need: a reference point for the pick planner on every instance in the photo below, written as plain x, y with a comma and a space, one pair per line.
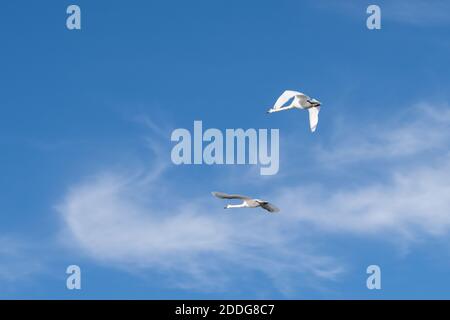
120, 221
17, 261
409, 203
405, 194
422, 130
418, 12
411, 12
141, 222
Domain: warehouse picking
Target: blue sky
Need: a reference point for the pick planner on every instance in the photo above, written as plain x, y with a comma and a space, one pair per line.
86, 176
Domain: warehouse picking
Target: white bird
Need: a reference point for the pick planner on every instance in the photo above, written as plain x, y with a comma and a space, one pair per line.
300, 101
247, 202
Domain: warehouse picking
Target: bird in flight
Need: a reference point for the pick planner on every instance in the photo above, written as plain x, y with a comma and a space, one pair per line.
247, 202
299, 101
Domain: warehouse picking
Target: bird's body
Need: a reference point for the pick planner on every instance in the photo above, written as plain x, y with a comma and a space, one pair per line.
299, 101
247, 202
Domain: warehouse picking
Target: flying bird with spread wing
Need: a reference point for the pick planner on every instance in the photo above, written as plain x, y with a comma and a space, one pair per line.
299, 101
247, 202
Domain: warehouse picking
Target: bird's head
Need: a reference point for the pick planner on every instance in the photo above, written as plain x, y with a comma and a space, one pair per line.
314, 102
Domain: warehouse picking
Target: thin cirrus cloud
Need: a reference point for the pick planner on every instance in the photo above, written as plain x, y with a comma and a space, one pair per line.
410, 12
109, 220
17, 261
130, 222
421, 131
406, 193
140, 222
418, 12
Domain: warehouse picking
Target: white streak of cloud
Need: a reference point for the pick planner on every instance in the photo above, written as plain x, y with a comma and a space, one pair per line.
412, 12
16, 260
143, 222
424, 129
127, 222
406, 193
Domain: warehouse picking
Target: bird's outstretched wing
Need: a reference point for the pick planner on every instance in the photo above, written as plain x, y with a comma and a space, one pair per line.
222, 195
285, 97
313, 117
269, 207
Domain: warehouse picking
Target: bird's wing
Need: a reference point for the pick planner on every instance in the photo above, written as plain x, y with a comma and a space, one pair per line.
313, 117
285, 97
222, 195
270, 207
